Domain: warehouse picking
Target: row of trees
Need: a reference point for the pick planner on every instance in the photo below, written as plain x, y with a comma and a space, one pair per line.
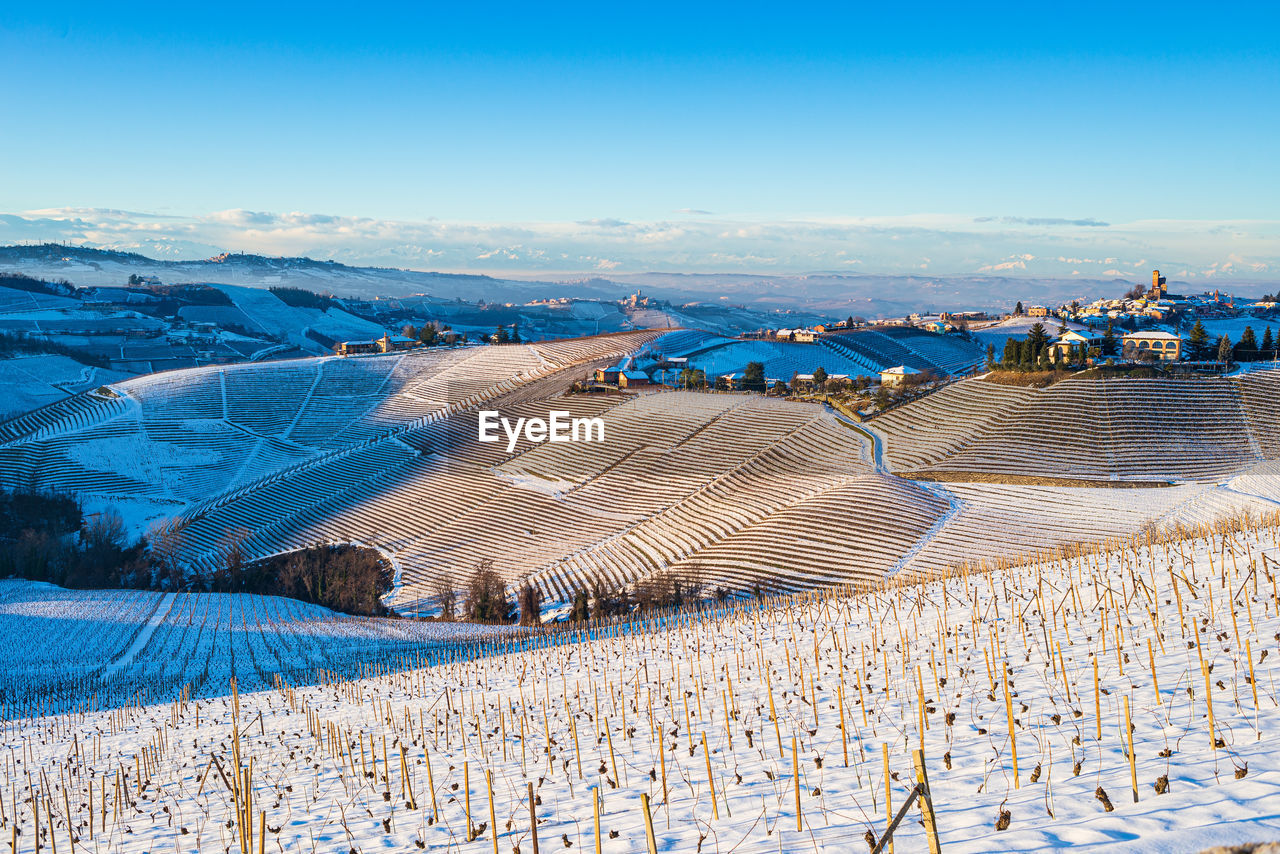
49, 537
342, 577
502, 336
428, 334
1036, 352
1248, 349
486, 599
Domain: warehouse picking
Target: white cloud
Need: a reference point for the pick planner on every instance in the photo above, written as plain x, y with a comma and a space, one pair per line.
697, 241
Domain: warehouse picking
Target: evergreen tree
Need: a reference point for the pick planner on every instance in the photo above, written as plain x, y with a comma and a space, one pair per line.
1224, 350
1009, 361
515, 333
1198, 339
501, 336
1247, 349
991, 354
1017, 309
753, 376
819, 376
1038, 337
1268, 344
580, 611
1109, 340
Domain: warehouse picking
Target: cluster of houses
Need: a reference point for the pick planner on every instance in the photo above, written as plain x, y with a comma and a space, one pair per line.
1155, 305
1163, 346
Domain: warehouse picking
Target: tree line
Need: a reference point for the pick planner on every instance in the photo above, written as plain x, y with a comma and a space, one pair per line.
48, 537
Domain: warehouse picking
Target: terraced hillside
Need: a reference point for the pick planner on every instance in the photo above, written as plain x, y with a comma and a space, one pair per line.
740, 491
165, 441
1150, 430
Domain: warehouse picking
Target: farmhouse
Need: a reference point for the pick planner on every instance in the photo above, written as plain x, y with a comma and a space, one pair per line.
802, 381
895, 377
1074, 339
351, 348
1161, 345
633, 379
608, 375
390, 343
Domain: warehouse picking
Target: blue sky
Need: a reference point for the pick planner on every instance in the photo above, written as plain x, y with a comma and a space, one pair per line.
492, 115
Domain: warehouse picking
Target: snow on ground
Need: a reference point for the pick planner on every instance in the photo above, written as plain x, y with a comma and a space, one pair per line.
1235, 326
275, 317
112, 643
1018, 327
712, 718
30, 382
781, 359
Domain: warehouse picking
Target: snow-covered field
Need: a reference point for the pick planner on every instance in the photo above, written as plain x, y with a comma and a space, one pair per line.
118, 646
30, 382
774, 728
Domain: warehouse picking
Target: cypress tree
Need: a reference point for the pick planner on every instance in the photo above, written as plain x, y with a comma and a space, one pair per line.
1268, 344
1224, 350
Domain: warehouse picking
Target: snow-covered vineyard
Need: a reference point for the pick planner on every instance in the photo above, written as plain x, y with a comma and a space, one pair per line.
1200, 429
1121, 696
84, 649
744, 491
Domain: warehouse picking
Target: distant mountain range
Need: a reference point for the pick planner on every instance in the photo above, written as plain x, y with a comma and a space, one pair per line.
869, 296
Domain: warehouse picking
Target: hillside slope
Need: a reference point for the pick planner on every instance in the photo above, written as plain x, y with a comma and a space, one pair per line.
1203, 429
1117, 698
167, 441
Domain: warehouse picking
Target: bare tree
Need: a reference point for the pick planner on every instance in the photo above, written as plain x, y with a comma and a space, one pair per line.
487, 600
529, 598
445, 592
168, 540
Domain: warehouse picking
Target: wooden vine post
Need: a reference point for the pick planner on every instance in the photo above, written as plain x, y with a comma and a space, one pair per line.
926, 803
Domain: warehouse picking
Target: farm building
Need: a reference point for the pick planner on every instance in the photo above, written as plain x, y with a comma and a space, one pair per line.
608, 375
392, 343
633, 379
894, 377
351, 348
1164, 346
1073, 338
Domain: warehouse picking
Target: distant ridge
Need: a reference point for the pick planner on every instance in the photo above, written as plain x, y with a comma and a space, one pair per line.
87, 267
